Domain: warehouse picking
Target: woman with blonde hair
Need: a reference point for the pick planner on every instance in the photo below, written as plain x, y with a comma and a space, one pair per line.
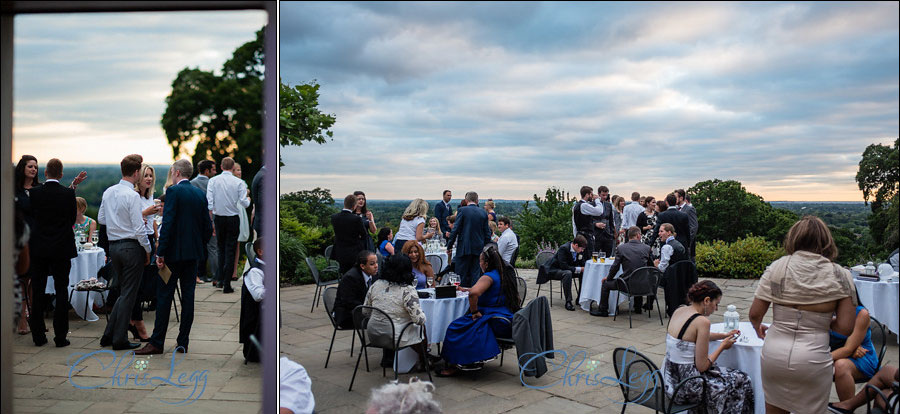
412, 226
807, 290
420, 266
145, 187
489, 208
83, 223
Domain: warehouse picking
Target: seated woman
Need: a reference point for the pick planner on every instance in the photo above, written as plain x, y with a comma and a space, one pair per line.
421, 268
687, 344
494, 231
395, 294
385, 236
471, 338
84, 223
435, 228
854, 356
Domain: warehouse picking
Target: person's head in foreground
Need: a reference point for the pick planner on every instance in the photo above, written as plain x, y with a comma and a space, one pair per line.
398, 398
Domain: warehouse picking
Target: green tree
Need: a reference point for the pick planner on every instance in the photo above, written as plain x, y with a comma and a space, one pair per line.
728, 212
549, 222
300, 119
306, 216
879, 180
223, 113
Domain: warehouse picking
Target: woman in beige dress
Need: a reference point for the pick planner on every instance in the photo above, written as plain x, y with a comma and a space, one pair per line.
807, 289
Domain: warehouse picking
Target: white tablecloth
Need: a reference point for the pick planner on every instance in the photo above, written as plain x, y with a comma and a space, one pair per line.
439, 313
591, 285
744, 356
85, 266
882, 299
444, 262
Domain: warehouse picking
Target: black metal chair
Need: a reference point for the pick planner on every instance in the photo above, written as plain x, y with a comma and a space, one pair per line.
541, 259
642, 281
873, 394
330, 267
522, 287
328, 297
437, 262
319, 283
879, 342
514, 257
641, 383
361, 323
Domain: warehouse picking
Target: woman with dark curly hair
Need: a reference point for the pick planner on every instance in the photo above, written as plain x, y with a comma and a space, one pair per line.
471, 338
687, 355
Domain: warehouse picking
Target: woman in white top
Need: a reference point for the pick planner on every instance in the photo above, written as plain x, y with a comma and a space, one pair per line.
412, 227
149, 209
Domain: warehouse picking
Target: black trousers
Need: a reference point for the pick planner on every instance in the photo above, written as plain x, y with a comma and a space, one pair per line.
604, 245
42, 268
227, 231
565, 276
605, 292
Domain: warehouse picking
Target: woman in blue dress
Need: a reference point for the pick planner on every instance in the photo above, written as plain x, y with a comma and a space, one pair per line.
471, 338
385, 247
854, 356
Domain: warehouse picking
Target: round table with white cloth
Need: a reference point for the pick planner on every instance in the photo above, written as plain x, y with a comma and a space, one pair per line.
85, 266
744, 355
439, 314
591, 285
882, 299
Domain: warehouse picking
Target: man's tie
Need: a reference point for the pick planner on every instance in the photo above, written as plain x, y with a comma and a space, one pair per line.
368, 283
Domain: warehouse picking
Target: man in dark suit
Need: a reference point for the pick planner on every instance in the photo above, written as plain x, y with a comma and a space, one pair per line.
205, 170
53, 244
256, 197
442, 210
186, 229
566, 264
685, 206
629, 256
472, 230
679, 221
349, 233
353, 287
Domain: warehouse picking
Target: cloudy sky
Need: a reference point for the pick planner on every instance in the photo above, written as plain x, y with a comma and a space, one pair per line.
91, 88
508, 99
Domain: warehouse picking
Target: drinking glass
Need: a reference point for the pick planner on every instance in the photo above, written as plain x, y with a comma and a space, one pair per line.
594, 257
429, 281
95, 239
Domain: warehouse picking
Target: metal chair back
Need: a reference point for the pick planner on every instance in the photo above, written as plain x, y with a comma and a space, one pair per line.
642, 281
879, 339
328, 251
437, 262
313, 269
543, 257
522, 287
641, 382
329, 295
514, 257
251, 254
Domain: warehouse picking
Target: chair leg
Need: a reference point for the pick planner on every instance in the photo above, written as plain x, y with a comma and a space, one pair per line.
354, 371
617, 306
352, 344
425, 361
315, 295
658, 311
502, 352
630, 305
365, 351
331, 346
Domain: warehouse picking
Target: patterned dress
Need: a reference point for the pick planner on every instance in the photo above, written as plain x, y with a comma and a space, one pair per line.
401, 303
728, 390
649, 238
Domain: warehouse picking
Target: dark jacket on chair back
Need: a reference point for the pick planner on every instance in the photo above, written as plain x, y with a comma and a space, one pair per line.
54, 212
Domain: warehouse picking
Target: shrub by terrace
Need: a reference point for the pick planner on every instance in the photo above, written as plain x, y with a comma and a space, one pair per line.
745, 258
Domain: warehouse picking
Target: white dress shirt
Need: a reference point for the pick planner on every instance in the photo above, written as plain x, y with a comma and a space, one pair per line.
630, 214
254, 282
665, 253
295, 388
225, 192
148, 220
120, 212
507, 244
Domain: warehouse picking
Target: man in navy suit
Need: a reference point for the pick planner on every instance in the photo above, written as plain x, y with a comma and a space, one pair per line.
186, 229
472, 230
54, 247
442, 210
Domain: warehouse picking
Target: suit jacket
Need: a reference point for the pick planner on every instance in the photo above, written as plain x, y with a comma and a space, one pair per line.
472, 230
349, 234
693, 225
186, 227
350, 294
257, 199
562, 260
200, 181
680, 221
54, 212
442, 212
631, 255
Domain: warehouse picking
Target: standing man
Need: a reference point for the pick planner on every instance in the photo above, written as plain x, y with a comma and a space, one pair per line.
473, 232
605, 231
186, 230
630, 255
680, 222
224, 193
205, 170
349, 235
509, 241
585, 215
442, 210
54, 247
257, 199
129, 249
685, 206
631, 211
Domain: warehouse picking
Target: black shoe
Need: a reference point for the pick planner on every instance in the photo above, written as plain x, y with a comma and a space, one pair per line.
228, 289
61, 342
105, 341
570, 306
40, 342
833, 409
137, 336
126, 345
601, 314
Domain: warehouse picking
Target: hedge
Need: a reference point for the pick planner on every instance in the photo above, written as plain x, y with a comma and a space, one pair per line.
745, 258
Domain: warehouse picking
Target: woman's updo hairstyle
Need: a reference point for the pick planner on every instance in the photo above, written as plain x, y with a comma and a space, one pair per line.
398, 270
702, 290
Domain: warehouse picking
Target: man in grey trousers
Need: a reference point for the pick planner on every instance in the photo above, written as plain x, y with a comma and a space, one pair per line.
129, 249
206, 169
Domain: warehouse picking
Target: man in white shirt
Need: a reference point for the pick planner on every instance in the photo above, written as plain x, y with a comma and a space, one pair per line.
129, 249
585, 216
508, 242
672, 250
631, 211
223, 193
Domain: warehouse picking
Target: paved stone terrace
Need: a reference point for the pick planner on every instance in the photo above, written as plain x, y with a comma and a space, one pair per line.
305, 337
41, 374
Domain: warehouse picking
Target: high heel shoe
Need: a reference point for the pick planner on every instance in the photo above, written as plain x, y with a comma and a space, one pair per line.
134, 331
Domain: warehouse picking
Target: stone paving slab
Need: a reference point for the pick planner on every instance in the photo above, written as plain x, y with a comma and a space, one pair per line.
305, 337
41, 382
